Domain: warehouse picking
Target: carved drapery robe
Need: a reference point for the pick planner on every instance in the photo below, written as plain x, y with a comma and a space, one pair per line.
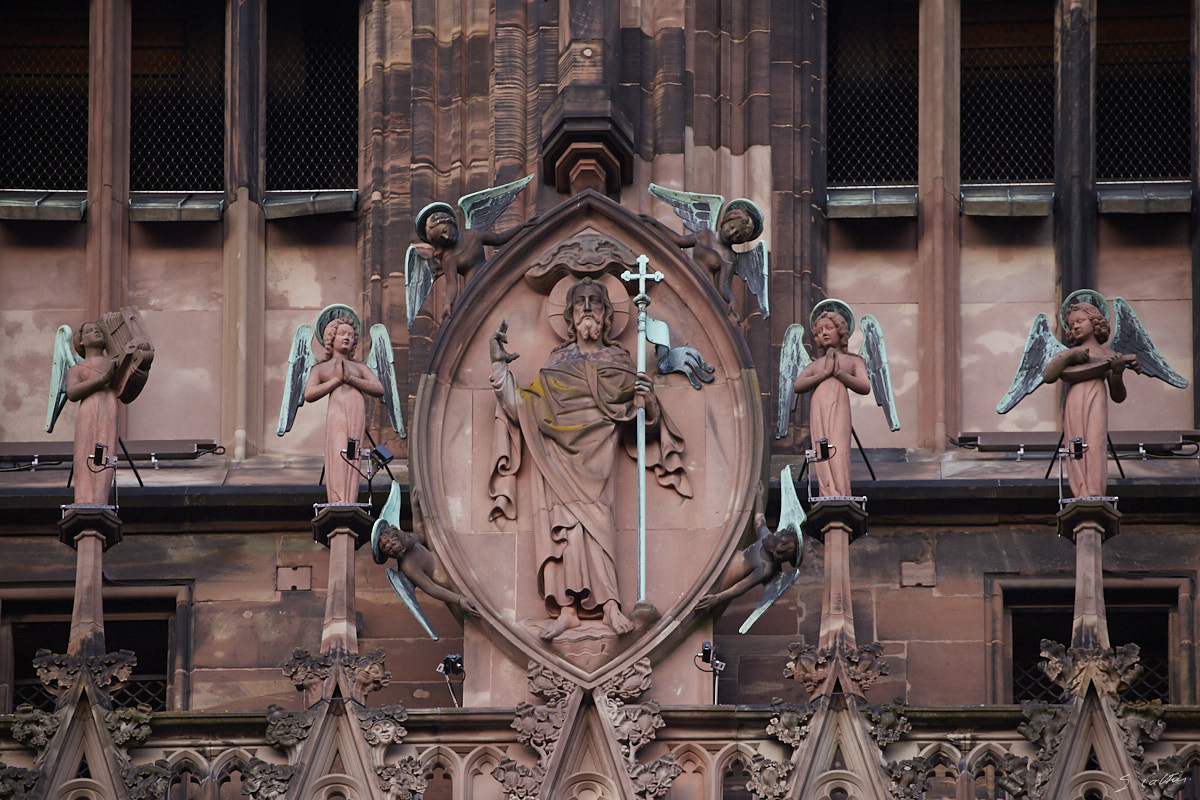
95, 424
830, 420
572, 420
1085, 416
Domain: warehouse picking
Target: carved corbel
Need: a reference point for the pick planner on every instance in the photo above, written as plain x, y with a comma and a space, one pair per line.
34, 728
768, 778
909, 779
287, 729
888, 723
17, 783
147, 781
129, 727
403, 780
383, 726
263, 781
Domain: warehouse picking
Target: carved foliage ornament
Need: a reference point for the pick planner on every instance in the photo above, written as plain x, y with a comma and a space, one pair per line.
538, 727
909, 779
147, 781
1112, 671
888, 723
789, 723
60, 672
519, 781
308, 672
16, 783
287, 729
636, 725
263, 781
768, 778
1043, 727
403, 780
383, 726
811, 666
33, 727
130, 727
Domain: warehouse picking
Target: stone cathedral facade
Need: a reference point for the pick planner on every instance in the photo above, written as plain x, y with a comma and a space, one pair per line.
216, 181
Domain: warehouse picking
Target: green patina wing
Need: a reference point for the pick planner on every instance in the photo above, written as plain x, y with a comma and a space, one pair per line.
753, 266
874, 353
300, 362
419, 272
699, 212
381, 361
1130, 337
791, 517
793, 358
64, 358
1040, 347
481, 209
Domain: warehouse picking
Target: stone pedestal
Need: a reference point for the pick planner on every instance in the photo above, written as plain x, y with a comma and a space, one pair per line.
1088, 523
343, 528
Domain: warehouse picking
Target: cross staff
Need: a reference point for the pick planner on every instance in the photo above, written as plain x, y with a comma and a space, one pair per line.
641, 300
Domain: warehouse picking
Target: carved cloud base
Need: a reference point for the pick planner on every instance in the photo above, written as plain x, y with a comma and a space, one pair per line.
591, 644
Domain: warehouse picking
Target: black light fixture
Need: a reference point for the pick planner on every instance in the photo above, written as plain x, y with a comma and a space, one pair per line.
351, 451
706, 661
452, 664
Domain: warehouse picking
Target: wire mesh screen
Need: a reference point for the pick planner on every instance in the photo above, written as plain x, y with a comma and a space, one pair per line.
44, 95
1007, 94
177, 96
871, 99
312, 95
1143, 100
151, 690
1145, 625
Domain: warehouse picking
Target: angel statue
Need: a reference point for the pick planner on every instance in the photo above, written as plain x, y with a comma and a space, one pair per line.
762, 562
828, 377
337, 375
456, 252
106, 361
715, 227
1092, 364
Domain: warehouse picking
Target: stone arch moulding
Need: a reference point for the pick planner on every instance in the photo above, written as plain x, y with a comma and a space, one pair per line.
721, 424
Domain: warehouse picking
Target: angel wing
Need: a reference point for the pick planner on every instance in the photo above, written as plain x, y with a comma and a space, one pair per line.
791, 517
753, 267
65, 357
874, 352
699, 212
1040, 347
480, 209
418, 280
1130, 337
793, 358
300, 362
389, 516
381, 361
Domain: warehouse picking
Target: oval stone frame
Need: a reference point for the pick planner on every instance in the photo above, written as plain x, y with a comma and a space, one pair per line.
688, 540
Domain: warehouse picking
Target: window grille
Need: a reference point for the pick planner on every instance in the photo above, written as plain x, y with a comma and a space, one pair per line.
312, 95
1143, 91
44, 96
1007, 92
872, 93
177, 97
1147, 625
148, 638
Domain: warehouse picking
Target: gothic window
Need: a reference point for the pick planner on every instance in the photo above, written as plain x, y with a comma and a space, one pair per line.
872, 95
44, 95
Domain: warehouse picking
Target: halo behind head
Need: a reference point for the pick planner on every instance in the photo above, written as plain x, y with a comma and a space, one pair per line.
836, 306
752, 209
1083, 296
425, 213
330, 313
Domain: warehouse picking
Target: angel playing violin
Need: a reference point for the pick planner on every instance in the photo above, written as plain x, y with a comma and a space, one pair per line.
1092, 365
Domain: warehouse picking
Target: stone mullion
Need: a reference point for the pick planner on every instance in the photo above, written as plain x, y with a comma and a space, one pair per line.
244, 253
938, 230
109, 54
1075, 219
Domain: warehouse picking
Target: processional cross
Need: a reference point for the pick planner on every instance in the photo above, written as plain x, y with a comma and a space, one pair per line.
641, 300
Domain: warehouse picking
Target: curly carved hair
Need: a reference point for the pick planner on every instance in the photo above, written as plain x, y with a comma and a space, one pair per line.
1100, 327
331, 331
843, 328
606, 324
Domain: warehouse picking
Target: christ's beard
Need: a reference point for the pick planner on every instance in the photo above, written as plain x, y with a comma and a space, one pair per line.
588, 328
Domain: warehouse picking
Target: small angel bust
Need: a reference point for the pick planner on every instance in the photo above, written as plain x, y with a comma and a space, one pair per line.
714, 228
106, 361
344, 380
1092, 364
830, 377
456, 251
